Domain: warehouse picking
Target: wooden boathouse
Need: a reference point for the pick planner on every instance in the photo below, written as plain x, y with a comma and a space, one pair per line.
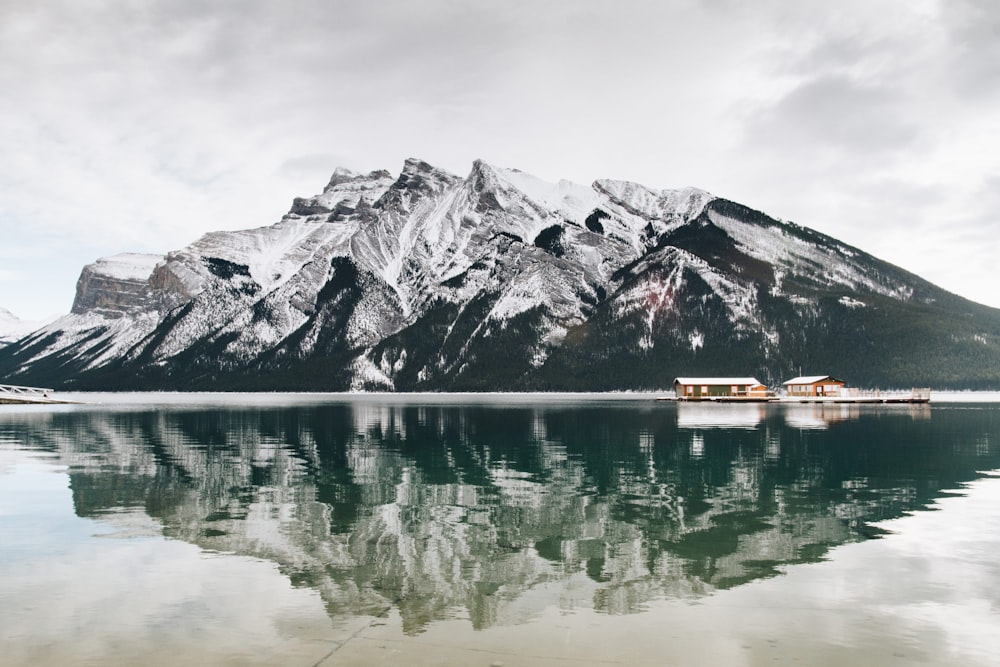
828, 389
720, 389
809, 386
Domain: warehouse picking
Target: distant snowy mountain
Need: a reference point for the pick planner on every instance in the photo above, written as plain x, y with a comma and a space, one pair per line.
502, 281
13, 328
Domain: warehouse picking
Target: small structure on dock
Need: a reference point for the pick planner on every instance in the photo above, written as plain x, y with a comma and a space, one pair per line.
720, 389
808, 386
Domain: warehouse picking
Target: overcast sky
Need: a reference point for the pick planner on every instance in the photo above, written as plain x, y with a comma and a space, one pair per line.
138, 125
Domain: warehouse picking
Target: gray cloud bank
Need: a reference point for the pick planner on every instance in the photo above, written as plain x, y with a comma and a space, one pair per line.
135, 125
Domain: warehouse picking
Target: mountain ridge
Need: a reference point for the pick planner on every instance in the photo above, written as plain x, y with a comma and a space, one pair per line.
429, 281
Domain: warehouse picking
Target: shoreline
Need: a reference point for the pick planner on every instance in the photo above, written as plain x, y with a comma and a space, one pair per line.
99, 398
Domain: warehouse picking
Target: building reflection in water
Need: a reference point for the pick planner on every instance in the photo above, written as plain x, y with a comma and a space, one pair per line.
495, 512
720, 415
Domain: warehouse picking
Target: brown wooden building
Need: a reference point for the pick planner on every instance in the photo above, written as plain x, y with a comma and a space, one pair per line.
813, 385
715, 388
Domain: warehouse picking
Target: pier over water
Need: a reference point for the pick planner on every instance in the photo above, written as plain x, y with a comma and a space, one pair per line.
10, 393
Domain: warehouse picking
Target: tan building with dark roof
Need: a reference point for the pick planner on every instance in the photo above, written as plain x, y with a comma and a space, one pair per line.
813, 385
716, 388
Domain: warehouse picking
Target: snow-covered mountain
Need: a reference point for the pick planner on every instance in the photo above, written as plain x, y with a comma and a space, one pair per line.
499, 280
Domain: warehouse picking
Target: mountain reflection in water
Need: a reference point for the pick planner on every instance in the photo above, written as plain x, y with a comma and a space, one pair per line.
444, 511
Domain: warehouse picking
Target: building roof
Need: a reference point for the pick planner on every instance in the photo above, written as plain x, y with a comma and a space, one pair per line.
810, 379
718, 381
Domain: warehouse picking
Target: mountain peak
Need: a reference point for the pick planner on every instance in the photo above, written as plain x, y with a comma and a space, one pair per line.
483, 176
482, 166
343, 175
419, 177
417, 169
414, 165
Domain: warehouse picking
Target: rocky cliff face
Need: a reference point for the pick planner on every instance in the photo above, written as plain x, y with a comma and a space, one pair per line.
501, 281
115, 286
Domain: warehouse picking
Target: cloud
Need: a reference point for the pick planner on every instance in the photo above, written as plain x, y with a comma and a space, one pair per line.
833, 112
140, 126
872, 128
951, 238
973, 33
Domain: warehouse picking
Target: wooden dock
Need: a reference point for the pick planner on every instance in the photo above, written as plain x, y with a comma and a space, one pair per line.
725, 399
14, 395
845, 395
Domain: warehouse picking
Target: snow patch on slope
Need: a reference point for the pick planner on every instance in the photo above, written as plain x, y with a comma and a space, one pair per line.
799, 256
654, 297
667, 207
366, 375
851, 302
565, 199
97, 339
522, 297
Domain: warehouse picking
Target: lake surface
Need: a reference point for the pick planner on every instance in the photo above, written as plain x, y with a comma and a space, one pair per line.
498, 530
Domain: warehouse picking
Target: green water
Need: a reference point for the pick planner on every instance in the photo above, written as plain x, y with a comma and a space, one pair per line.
307, 530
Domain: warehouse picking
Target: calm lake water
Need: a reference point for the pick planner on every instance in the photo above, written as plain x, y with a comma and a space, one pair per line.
497, 530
